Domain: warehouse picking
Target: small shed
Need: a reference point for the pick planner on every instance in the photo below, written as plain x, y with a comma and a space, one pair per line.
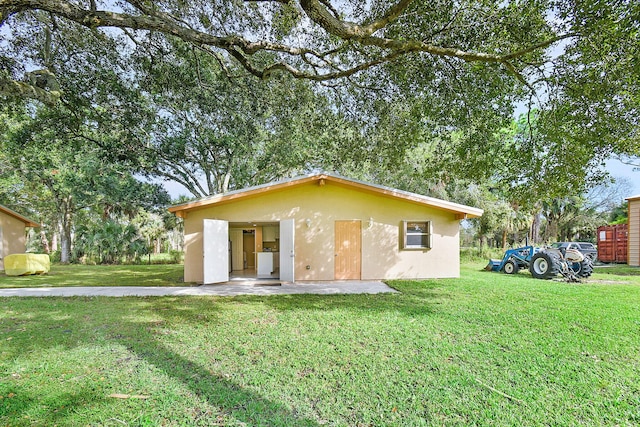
321, 227
634, 231
12, 236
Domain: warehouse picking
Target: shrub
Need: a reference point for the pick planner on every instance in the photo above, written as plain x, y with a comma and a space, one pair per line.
176, 256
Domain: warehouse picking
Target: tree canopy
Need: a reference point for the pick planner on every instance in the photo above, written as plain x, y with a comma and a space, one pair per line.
466, 64
323, 40
413, 94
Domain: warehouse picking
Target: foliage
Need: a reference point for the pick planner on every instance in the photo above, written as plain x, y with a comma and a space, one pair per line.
620, 214
64, 180
59, 179
57, 153
479, 254
110, 242
456, 70
150, 226
212, 134
176, 256
320, 41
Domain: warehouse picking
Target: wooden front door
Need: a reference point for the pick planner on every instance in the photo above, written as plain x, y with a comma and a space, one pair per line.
348, 250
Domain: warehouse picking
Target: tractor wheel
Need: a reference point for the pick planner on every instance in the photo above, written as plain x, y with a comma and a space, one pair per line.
510, 267
583, 269
545, 265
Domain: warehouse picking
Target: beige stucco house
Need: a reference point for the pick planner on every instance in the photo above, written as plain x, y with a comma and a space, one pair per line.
634, 231
12, 234
321, 227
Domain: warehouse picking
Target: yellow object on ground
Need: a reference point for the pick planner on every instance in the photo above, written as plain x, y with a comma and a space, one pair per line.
25, 264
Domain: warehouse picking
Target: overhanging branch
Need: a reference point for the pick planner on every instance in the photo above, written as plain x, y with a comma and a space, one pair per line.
292, 59
12, 88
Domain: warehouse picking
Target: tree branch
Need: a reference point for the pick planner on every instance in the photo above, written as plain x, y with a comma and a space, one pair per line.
242, 49
332, 9
540, 45
392, 14
24, 90
7, 11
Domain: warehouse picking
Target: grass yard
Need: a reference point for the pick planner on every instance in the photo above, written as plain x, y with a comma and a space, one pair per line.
99, 275
486, 349
618, 269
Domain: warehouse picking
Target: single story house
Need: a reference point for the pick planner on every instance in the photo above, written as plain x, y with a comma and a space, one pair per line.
634, 231
321, 227
13, 238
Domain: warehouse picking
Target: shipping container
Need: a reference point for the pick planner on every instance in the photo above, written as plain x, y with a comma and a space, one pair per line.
613, 241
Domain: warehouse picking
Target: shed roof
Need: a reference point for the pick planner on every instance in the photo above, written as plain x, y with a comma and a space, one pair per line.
461, 211
633, 198
27, 221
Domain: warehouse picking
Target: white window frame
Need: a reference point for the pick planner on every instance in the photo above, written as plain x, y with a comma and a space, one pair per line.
406, 232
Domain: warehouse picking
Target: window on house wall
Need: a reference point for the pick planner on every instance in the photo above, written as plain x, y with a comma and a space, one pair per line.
416, 235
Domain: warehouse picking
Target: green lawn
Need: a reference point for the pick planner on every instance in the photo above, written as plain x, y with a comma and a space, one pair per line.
172, 275
618, 269
100, 275
486, 349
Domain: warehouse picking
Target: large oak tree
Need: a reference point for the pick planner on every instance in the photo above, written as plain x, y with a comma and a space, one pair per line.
463, 66
319, 40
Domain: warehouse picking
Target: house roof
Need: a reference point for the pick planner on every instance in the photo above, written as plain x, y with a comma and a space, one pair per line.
633, 198
27, 221
461, 211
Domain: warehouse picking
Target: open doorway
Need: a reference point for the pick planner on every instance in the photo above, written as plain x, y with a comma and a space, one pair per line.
254, 251
248, 251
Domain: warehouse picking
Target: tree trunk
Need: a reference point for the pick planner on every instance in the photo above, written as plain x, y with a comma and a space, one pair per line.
504, 239
552, 230
54, 241
65, 247
225, 182
44, 240
534, 235
65, 232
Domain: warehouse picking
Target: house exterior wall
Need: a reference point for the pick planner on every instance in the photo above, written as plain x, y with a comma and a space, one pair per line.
382, 257
12, 235
634, 232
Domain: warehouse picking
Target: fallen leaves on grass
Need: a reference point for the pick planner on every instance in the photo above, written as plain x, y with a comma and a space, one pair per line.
128, 396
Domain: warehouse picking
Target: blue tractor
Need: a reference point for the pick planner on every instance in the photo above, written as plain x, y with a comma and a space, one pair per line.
544, 263
513, 260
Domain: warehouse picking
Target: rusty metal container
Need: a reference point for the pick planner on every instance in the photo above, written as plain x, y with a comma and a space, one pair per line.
613, 243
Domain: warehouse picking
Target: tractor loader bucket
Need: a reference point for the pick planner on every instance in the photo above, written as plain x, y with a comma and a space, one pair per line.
494, 265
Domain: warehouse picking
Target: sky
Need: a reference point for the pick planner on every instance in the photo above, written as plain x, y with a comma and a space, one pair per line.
617, 169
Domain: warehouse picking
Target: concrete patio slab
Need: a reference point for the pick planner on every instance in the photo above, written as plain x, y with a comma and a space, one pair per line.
245, 288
